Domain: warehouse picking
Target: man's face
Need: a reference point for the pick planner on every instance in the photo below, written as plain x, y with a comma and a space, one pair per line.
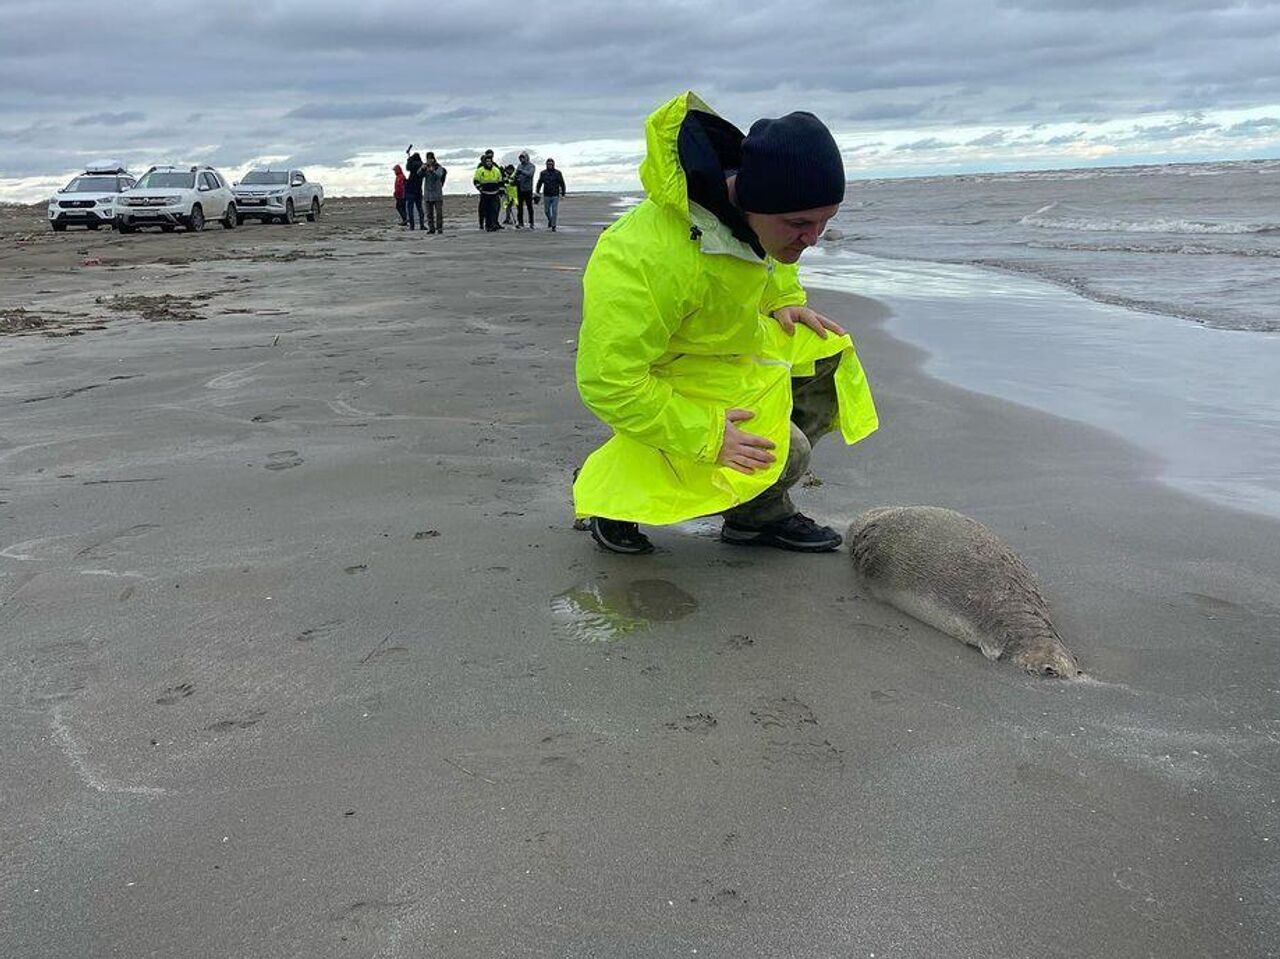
785, 236
551, 164
488, 162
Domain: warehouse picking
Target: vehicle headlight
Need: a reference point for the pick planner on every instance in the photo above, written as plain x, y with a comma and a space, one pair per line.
106, 201
279, 192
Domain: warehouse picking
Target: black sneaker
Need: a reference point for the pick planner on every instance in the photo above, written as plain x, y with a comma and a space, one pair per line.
619, 537
797, 532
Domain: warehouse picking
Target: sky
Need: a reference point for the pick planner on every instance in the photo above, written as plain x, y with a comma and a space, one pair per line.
341, 88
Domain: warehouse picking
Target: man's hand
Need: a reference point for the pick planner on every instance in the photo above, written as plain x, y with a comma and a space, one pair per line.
743, 451
789, 316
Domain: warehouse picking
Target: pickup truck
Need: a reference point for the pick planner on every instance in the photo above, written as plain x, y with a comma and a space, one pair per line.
283, 195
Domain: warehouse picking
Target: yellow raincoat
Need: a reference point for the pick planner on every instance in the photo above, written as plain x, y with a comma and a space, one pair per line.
676, 330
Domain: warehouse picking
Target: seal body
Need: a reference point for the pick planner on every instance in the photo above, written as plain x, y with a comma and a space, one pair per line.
953, 573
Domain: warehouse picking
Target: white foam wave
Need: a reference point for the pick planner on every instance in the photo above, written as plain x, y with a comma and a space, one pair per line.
1088, 225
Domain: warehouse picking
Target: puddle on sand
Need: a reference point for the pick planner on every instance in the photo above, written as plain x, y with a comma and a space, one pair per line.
603, 612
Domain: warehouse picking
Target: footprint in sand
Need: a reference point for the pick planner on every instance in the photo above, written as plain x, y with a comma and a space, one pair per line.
175, 694
701, 723
793, 736
283, 460
317, 632
725, 899
783, 712
239, 722
736, 642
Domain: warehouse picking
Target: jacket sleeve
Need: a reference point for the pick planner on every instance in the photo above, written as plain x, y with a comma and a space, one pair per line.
783, 289
630, 311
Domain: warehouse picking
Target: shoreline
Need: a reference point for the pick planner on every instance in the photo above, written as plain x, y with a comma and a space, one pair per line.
1198, 398
292, 607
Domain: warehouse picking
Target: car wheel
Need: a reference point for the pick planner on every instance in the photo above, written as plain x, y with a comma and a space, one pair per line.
289, 215
315, 209
166, 228
58, 227
231, 219
195, 222
125, 227
239, 219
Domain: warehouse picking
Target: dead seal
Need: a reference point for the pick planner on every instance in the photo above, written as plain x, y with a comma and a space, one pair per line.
953, 573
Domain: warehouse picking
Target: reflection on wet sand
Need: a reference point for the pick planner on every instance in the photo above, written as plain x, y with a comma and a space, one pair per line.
602, 612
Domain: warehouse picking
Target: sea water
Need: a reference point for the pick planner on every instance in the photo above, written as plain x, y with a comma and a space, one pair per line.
1145, 301
1196, 241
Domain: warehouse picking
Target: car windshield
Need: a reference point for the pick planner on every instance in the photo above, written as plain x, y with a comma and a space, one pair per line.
265, 177
158, 179
91, 184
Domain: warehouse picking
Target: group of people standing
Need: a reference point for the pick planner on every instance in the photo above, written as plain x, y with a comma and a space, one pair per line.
513, 187
421, 189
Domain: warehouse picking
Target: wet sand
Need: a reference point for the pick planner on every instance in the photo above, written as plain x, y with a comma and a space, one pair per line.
300, 654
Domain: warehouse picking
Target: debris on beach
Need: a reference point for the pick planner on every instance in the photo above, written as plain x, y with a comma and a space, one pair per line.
161, 308
22, 322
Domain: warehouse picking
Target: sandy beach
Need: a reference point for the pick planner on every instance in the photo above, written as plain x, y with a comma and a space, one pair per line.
301, 655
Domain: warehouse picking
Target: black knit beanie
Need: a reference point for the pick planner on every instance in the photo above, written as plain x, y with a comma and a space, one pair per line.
789, 164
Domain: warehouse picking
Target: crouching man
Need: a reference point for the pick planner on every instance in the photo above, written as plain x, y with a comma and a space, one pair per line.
696, 346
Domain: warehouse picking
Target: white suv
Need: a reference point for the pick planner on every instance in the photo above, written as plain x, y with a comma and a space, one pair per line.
91, 198
170, 196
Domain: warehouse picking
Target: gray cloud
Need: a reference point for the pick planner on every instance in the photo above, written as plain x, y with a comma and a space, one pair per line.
128, 116
351, 80
1171, 131
460, 113
931, 143
1253, 127
887, 111
358, 110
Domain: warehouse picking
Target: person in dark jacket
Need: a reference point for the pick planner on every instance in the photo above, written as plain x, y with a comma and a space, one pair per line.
398, 192
481, 209
551, 186
413, 191
524, 190
433, 176
488, 183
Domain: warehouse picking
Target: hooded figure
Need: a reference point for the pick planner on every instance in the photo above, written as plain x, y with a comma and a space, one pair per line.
524, 190
678, 329
398, 192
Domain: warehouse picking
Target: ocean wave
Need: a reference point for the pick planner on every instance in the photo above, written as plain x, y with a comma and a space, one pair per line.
1217, 319
1082, 224
1172, 249
1085, 225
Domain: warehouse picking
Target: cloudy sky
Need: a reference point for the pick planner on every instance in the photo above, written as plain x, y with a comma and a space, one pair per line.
340, 87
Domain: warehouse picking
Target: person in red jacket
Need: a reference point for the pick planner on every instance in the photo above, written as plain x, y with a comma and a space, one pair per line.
399, 193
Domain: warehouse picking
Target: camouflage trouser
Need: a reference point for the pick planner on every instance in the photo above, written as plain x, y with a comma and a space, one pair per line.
813, 415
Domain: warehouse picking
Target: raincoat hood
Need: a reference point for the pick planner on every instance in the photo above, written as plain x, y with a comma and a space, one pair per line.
690, 149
